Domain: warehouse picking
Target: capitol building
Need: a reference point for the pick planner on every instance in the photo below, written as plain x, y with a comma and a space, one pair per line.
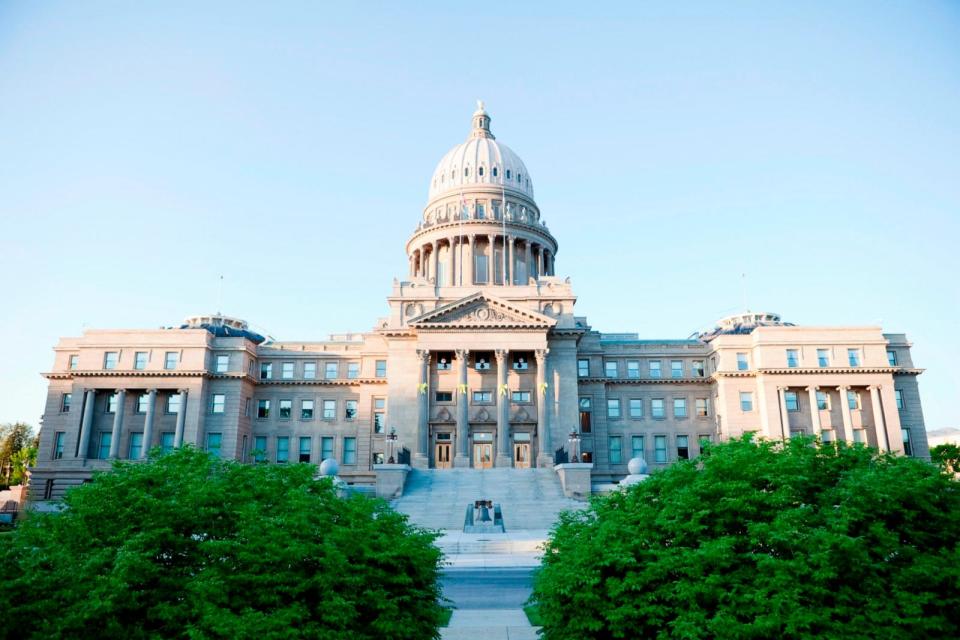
482, 361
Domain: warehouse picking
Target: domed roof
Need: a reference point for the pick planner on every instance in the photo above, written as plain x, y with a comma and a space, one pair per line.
481, 160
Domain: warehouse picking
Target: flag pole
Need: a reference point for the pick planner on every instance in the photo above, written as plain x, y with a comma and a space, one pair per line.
503, 218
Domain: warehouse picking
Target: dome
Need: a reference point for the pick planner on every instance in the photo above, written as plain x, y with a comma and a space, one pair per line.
481, 160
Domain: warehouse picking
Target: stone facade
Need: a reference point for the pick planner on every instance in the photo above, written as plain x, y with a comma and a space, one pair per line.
481, 362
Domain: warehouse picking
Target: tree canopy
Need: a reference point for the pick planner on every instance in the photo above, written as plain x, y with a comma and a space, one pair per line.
762, 540
946, 455
189, 545
15, 439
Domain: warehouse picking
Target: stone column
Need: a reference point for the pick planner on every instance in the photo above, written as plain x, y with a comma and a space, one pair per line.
814, 411
434, 261
845, 412
512, 262
492, 261
462, 457
504, 459
528, 261
117, 423
468, 261
86, 424
784, 416
421, 458
539, 260
181, 419
546, 262
544, 447
148, 423
879, 425
451, 265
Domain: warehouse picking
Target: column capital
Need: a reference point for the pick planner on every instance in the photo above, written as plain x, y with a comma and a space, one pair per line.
461, 354
152, 392
183, 391
874, 387
843, 387
119, 391
813, 388
423, 355
501, 355
541, 355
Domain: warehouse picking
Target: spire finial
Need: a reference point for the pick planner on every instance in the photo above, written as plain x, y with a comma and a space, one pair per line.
480, 105
481, 122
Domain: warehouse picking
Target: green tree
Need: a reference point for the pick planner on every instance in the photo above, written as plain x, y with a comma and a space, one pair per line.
13, 438
20, 462
187, 545
762, 540
947, 456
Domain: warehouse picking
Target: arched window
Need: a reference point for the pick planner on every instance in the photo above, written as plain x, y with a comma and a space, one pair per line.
519, 177
453, 174
480, 171
466, 171
508, 174
494, 172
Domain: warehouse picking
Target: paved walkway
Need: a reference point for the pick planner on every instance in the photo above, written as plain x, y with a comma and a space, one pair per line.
488, 603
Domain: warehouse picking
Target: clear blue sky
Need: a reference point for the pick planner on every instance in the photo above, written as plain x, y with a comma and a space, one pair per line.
146, 148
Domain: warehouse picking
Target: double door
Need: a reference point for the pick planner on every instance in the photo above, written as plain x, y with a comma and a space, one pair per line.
483, 455
442, 455
521, 455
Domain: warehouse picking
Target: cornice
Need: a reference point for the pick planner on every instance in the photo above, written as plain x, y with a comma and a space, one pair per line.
633, 381
823, 370
321, 382
119, 373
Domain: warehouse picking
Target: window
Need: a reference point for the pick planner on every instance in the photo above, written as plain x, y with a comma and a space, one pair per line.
65, 401
793, 358
683, 448
898, 394
103, 448
746, 401
676, 368
823, 357
305, 447
443, 396
350, 409
286, 409
633, 369
892, 358
381, 369
219, 403
521, 396
655, 369
140, 360
330, 370
263, 409
742, 364
112, 403
660, 449
243, 449
703, 440
636, 447
223, 363
616, 450
214, 441
353, 370
636, 407
657, 411
907, 443
613, 408
697, 369
326, 448
170, 359
482, 363
853, 400
823, 401
378, 457
259, 448
306, 409
266, 370
679, 407
702, 408
283, 448
379, 417
286, 371
482, 396
480, 275
349, 451
58, 439
586, 409
246, 407
520, 363
74, 361
583, 368
790, 399
309, 370
444, 362
610, 369
860, 436
479, 207
166, 442
853, 357
110, 360
329, 409
173, 403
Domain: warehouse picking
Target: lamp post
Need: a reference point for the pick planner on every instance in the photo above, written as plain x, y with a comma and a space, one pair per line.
574, 440
391, 445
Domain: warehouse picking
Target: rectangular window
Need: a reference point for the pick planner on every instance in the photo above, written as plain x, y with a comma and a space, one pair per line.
350, 409
583, 368
636, 447
679, 407
613, 408
443, 396
309, 370
697, 369
676, 368
266, 370
330, 370
790, 399
263, 409
283, 448
305, 447
793, 358
353, 370
329, 409
74, 361
326, 448
683, 448
286, 371
444, 361
610, 369
481, 276
521, 396
65, 401
742, 364
898, 394
377, 457
142, 401
214, 440
140, 360
381, 369
246, 407
482, 363
286, 409
657, 410
306, 409
479, 208
586, 409
103, 446
112, 403
860, 436
826, 435
349, 451
219, 403
853, 357
823, 401
243, 449
482, 396
853, 400
823, 357
655, 369
746, 401
170, 359
259, 448
173, 403
633, 369
892, 358
110, 360
166, 442
58, 439
223, 363
702, 408
907, 443
636, 407
660, 449
616, 450
379, 417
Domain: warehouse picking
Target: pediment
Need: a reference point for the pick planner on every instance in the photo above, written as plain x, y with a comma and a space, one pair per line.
481, 311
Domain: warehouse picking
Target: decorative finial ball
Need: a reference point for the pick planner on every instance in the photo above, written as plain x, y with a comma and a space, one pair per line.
637, 466
329, 467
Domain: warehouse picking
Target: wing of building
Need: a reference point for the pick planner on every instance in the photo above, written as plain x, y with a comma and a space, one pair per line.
482, 361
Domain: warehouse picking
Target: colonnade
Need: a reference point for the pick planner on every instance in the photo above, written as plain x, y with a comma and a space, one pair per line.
876, 400
86, 422
524, 259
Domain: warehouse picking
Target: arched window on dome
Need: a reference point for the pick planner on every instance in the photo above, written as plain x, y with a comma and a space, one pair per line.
453, 174
508, 174
466, 171
480, 172
494, 172
520, 177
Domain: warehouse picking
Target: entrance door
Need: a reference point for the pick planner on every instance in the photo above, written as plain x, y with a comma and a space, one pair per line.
521, 455
483, 455
441, 455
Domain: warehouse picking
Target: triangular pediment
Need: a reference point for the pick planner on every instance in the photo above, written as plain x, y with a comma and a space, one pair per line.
481, 311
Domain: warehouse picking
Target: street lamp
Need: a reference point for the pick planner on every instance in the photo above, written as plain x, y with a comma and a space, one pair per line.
391, 445
574, 440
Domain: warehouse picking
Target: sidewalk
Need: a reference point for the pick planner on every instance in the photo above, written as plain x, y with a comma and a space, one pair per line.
489, 624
